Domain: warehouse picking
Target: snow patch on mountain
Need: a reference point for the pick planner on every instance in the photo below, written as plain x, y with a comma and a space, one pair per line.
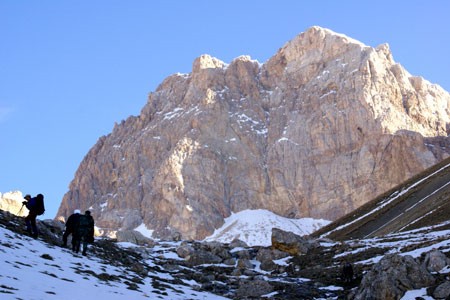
254, 227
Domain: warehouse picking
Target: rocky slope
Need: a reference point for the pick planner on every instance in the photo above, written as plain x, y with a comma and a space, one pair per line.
419, 202
293, 267
318, 130
410, 264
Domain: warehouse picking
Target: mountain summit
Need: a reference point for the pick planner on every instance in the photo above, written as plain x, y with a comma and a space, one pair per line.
319, 129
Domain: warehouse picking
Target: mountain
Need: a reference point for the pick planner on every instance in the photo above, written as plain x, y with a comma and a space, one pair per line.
319, 129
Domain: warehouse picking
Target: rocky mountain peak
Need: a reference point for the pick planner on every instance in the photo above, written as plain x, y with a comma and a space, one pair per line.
317, 45
319, 129
206, 61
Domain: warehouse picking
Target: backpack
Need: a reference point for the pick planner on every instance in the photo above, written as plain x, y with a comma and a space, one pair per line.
39, 206
85, 226
84, 221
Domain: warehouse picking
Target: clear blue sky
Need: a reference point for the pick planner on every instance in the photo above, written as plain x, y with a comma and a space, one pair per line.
70, 69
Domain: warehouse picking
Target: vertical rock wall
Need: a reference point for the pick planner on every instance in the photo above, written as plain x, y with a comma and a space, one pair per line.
322, 127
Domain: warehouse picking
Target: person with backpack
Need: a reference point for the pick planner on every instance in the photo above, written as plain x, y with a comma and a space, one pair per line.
36, 208
71, 224
84, 232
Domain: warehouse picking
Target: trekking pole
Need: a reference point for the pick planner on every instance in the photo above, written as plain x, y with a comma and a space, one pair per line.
20, 210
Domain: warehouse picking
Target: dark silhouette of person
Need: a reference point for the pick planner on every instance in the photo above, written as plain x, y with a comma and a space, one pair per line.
347, 272
30, 219
71, 224
84, 232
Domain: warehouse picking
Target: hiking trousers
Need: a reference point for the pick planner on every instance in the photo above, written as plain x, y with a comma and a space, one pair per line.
30, 221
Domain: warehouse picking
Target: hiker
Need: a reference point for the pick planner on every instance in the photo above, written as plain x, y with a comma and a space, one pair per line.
36, 208
84, 232
347, 272
71, 223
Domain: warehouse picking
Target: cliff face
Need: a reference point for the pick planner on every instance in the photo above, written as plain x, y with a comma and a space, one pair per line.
319, 129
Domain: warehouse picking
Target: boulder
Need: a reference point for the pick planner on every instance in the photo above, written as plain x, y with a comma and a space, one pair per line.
237, 243
253, 289
201, 257
185, 249
291, 243
391, 277
135, 237
218, 249
267, 258
435, 261
442, 291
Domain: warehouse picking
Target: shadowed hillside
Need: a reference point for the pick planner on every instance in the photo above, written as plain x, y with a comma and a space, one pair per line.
421, 201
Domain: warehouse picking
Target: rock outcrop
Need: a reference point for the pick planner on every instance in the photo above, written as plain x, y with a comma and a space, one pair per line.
322, 127
291, 243
392, 277
12, 202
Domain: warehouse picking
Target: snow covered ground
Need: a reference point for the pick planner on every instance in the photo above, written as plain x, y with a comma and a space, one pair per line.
34, 270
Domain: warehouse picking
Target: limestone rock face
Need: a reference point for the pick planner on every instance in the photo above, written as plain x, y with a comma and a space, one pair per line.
12, 203
319, 129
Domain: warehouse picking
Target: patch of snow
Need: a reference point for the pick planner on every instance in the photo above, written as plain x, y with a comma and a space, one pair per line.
126, 245
184, 75
245, 118
332, 288
414, 294
262, 131
103, 205
329, 93
285, 139
254, 227
282, 261
173, 114
270, 295
144, 230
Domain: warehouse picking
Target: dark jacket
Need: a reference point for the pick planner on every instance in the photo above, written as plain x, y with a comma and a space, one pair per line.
72, 222
86, 227
35, 205
31, 204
